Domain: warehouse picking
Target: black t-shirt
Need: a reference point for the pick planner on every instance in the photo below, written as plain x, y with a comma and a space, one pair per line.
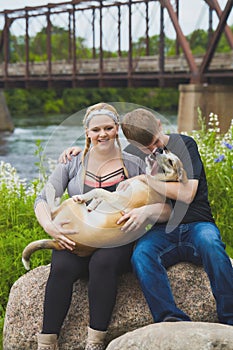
186, 149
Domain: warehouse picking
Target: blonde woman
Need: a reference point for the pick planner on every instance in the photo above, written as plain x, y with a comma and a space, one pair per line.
101, 164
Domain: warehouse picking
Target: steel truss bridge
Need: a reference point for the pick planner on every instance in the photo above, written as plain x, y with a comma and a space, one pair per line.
126, 68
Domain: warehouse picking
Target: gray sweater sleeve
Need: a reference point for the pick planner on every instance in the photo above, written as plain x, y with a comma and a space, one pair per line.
61, 179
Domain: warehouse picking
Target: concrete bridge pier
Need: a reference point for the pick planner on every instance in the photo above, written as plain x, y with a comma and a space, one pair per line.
217, 99
6, 123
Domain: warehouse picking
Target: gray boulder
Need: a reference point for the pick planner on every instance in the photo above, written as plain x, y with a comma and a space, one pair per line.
24, 311
176, 336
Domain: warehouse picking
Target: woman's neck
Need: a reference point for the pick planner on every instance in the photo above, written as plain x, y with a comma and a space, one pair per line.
102, 163
102, 155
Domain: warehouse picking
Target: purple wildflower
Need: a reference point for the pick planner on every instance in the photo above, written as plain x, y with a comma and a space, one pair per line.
228, 145
220, 158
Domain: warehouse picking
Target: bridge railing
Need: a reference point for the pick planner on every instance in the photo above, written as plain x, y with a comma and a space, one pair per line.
114, 65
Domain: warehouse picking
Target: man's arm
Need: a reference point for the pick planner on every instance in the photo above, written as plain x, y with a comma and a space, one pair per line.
173, 190
68, 153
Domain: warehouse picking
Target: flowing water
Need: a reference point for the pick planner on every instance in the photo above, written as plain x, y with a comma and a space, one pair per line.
55, 134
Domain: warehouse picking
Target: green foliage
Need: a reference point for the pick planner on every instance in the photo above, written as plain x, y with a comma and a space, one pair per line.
61, 46
18, 227
68, 101
217, 154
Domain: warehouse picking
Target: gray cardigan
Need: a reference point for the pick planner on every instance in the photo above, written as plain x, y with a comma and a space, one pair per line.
70, 175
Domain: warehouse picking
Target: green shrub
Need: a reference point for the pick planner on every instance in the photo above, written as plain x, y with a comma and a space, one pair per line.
18, 227
216, 150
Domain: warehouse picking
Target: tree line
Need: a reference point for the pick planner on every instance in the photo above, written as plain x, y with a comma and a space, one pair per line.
51, 101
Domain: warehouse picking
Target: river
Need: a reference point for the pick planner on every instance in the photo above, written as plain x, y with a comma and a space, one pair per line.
55, 134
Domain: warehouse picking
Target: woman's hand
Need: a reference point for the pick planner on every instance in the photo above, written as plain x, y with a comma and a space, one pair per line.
68, 153
135, 219
56, 231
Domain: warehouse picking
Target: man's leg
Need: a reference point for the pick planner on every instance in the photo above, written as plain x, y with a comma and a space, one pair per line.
206, 238
154, 252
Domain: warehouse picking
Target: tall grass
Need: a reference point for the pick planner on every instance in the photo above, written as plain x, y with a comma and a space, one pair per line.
216, 151
18, 225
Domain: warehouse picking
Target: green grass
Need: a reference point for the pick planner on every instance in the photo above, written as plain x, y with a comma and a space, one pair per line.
18, 225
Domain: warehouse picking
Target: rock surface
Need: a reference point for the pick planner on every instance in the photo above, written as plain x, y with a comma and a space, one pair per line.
24, 312
176, 336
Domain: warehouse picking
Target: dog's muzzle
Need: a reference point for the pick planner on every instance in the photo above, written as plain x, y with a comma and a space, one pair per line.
152, 160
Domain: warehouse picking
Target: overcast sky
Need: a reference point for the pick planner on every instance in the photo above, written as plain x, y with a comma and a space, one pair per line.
193, 15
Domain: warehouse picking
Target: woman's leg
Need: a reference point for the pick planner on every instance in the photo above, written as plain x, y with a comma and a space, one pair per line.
66, 268
104, 267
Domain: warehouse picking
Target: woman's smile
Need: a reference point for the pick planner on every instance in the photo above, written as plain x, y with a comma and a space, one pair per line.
102, 129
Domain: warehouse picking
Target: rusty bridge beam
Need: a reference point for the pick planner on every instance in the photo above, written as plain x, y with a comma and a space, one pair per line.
181, 39
74, 67
27, 46
215, 39
130, 53
213, 4
6, 42
49, 46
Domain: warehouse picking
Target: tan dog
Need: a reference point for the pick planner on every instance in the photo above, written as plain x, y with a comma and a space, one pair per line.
98, 227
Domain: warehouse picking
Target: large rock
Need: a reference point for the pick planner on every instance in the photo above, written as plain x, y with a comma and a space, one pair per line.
25, 307
176, 336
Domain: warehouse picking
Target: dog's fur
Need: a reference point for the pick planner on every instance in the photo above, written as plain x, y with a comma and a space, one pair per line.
98, 227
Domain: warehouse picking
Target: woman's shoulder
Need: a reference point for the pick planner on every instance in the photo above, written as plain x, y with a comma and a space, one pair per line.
72, 166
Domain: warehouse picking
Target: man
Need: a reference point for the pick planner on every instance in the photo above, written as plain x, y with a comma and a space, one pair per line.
190, 235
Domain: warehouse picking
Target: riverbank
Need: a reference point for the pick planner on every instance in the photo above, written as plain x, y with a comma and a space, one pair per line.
54, 133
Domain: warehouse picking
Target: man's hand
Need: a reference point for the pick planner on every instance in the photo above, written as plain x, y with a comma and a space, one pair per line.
68, 153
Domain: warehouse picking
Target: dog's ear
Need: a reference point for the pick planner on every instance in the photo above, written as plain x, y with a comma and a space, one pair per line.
182, 175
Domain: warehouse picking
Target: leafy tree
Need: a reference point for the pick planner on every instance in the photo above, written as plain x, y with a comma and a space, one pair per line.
198, 41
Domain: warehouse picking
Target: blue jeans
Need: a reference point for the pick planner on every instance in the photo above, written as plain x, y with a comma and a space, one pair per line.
199, 243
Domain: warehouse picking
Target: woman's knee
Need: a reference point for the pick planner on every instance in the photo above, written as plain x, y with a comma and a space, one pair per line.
66, 266
108, 261
100, 263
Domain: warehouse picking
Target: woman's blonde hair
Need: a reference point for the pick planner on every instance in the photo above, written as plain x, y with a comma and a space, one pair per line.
140, 125
102, 106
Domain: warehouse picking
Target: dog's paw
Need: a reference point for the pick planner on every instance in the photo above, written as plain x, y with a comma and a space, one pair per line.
94, 204
78, 199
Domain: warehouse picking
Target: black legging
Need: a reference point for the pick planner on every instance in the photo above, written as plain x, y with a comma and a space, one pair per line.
102, 267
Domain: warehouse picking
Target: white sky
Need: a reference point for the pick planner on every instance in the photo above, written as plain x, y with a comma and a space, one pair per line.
193, 15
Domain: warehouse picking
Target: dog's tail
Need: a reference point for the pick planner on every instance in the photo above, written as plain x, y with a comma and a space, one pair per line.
36, 245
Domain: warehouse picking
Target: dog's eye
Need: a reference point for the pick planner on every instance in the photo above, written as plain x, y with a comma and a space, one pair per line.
170, 162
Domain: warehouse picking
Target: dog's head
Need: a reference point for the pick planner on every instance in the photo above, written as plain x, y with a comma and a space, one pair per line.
165, 166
